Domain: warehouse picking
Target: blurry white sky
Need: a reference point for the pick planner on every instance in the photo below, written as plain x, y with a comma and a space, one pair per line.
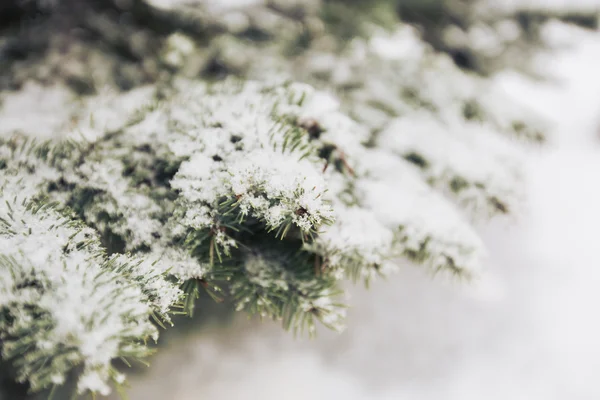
529, 331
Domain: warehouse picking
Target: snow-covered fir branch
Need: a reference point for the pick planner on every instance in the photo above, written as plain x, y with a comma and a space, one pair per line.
269, 189
65, 304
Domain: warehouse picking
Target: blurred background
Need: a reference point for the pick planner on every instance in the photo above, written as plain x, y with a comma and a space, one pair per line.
528, 329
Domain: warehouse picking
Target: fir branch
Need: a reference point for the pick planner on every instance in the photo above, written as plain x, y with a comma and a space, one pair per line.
65, 305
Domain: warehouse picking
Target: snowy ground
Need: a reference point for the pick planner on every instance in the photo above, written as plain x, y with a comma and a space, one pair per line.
529, 331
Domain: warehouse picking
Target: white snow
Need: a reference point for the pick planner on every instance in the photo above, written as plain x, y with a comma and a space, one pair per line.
531, 333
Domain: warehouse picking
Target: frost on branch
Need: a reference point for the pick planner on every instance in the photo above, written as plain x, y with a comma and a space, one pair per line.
260, 160
408, 96
65, 304
261, 191
431, 230
251, 157
268, 193
474, 165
